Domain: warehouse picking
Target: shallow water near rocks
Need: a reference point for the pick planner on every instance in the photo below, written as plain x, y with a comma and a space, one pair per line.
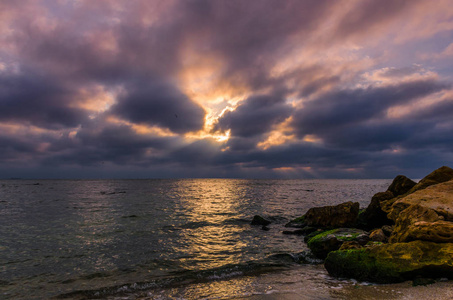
171, 239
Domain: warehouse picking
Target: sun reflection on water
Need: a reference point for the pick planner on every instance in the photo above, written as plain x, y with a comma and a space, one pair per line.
208, 236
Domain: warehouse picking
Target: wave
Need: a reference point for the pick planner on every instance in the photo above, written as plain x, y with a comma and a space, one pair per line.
273, 263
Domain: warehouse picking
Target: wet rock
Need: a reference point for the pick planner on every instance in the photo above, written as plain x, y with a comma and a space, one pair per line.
258, 220
342, 215
332, 240
304, 231
389, 263
313, 234
297, 223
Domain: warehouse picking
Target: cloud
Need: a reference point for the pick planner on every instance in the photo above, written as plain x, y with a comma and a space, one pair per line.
36, 100
346, 108
158, 103
255, 115
318, 88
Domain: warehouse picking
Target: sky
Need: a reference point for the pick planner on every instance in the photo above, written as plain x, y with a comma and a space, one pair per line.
225, 89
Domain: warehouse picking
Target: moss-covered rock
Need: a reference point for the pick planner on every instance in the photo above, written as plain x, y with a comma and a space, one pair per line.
341, 215
331, 240
390, 263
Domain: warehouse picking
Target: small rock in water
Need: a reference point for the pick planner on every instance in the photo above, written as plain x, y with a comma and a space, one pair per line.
258, 220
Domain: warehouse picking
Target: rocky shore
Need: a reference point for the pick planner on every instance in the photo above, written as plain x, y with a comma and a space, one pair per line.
405, 233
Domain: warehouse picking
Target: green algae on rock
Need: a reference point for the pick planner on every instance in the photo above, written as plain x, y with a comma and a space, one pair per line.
325, 242
389, 263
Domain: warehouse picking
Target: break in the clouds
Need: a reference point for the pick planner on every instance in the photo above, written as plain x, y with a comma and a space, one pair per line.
358, 89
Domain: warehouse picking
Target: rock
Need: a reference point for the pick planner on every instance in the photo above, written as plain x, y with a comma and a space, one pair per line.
350, 245
374, 216
423, 281
389, 263
304, 231
313, 234
332, 240
400, 185
342, 215
440, 175
258, 220
378, 235
424, 215
265, 228
297, 223
387, 229
304, 257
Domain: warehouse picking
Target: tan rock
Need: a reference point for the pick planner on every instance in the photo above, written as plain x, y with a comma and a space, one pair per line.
424, 215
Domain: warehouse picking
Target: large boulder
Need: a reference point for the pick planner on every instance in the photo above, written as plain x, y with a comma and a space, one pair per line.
440, 175
424, 215
341, 215
332, 240
374, 216
389, 263
401, 185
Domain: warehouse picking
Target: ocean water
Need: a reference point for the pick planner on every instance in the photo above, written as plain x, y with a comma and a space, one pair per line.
170, 239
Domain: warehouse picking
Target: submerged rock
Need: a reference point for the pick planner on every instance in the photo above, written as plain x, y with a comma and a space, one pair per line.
332, 240
303, 231
341, 215
390, 263
258, 220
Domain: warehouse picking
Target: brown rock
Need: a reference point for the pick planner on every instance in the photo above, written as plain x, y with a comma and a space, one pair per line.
378, 235
342, 215
373, 216
424, 215
401, 185
440, 175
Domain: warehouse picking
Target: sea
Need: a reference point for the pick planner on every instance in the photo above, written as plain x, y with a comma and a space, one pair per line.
174, 239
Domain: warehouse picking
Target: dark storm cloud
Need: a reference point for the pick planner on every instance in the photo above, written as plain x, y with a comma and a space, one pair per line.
97, 143
345, 108
11, 148
37, 100
158, 103
138, 57
255, 116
